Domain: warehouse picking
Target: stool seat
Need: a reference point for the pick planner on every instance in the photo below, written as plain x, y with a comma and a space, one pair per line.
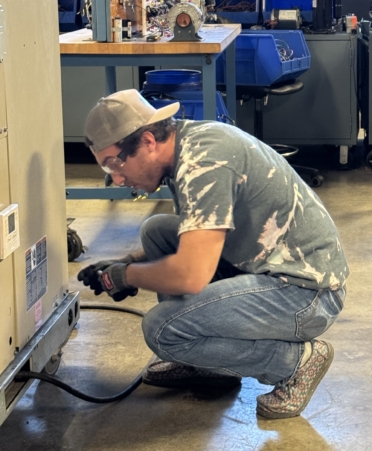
278, 89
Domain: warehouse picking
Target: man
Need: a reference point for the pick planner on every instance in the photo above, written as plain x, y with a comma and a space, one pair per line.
248, 271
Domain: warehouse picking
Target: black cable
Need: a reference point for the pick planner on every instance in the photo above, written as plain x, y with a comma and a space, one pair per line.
116, 308
24, 376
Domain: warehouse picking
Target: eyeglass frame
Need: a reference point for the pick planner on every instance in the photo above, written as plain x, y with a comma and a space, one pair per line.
120, 156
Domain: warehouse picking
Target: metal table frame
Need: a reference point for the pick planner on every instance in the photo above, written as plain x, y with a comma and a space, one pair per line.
207, 63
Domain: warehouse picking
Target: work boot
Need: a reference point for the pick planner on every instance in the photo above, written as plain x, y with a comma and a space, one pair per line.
177, 375
289, 399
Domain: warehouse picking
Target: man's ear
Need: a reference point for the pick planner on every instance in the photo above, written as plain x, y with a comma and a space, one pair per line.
148, 139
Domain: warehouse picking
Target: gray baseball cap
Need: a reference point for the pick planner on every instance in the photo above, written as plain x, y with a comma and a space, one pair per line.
117, 116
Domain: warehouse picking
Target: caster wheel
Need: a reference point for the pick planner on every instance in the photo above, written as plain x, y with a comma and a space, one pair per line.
74, 245
317, 180
52, 365
369, 159
108, 180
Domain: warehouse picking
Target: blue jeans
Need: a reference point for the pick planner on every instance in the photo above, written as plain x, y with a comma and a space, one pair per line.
247, 325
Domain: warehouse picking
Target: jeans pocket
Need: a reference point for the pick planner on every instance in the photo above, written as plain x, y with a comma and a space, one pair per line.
315, 319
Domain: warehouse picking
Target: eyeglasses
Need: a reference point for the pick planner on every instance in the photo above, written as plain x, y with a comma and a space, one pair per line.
115, 164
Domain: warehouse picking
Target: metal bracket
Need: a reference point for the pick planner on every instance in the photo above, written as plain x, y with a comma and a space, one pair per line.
188, 33
35, 354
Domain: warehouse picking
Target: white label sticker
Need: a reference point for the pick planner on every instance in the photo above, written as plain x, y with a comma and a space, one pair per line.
287, 15
38, 314
36, 272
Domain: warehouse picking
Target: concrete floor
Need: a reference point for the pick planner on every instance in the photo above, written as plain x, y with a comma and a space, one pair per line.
106, 351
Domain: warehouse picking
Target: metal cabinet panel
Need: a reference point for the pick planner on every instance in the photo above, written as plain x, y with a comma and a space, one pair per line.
36, 163
82, 87
365, 84
3, 120
7, 305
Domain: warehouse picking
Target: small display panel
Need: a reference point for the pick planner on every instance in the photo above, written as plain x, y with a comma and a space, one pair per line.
11, 223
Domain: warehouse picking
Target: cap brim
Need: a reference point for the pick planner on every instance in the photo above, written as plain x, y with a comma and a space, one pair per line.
164, 113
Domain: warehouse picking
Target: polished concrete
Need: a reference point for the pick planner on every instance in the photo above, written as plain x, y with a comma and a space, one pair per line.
106, 351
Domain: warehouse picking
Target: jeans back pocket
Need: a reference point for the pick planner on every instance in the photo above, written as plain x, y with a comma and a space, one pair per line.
315, 319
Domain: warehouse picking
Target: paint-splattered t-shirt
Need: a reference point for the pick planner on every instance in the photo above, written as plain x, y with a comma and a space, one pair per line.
225, 178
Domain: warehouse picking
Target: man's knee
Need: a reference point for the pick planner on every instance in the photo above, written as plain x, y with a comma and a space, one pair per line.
150, 330
159, 235
150, 227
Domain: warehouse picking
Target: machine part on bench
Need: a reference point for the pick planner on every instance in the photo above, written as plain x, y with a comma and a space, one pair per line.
185, 20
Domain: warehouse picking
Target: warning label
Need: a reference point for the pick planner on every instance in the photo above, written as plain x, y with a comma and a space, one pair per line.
36, 272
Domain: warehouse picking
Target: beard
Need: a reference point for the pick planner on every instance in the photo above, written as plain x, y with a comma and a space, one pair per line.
155, 174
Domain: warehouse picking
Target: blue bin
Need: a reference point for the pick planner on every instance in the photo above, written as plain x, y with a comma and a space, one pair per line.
303, 5
163, 87
70, 18
258, 61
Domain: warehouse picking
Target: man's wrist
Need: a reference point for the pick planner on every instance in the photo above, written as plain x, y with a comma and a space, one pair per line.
127, 275
119, 276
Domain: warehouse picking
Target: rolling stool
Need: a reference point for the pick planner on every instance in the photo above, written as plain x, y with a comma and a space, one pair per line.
280, 89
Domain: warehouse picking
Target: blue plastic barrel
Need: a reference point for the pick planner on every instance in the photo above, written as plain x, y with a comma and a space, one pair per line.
163, 87
172, 80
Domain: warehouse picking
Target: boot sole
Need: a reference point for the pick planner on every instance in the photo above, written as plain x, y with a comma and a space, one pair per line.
193, 382
278, 415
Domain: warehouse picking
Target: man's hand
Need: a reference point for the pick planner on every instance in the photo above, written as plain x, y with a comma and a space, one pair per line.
89, 275
113, 281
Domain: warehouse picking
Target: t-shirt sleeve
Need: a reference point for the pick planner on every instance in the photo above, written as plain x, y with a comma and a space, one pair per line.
207, 194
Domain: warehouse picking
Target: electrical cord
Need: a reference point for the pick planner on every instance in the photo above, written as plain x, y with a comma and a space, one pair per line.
24, 376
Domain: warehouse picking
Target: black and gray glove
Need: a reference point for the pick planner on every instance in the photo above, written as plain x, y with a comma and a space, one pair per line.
89, 275
113, 281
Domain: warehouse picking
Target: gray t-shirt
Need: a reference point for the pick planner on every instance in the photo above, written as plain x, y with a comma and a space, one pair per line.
225, 178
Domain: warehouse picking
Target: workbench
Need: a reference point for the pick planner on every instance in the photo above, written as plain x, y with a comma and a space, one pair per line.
78, 49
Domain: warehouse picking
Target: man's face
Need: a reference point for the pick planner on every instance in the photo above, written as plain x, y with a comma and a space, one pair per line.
142, 171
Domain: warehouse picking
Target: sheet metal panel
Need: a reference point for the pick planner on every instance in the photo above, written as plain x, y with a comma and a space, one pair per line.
36, 161
7, 310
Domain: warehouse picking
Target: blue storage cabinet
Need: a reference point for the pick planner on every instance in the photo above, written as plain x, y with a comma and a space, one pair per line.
163, 87
258, 61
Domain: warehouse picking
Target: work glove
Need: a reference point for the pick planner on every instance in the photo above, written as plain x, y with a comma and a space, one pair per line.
89, 275
113, 281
